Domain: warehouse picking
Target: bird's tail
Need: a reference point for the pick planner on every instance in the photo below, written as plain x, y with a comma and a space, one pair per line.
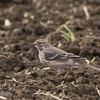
93, 67
85, 62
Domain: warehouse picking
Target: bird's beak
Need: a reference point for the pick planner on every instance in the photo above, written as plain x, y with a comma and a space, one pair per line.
32, 44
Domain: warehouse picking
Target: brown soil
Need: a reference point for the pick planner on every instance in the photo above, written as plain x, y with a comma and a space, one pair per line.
21, 74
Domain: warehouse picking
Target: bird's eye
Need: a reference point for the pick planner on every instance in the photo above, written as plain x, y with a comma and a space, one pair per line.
40, 42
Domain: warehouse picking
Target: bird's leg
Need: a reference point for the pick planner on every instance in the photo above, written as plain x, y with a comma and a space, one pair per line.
68, 71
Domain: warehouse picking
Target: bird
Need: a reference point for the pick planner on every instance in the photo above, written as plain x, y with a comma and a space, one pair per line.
57, 58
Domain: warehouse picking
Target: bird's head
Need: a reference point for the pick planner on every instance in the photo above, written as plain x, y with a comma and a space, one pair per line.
41, 44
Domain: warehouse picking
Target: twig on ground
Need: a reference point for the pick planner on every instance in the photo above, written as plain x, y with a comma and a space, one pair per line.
62, 84
98, 91
17, 81
47, 94
86, 12
2, 98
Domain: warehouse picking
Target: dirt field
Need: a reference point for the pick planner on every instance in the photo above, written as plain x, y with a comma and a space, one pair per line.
24, 21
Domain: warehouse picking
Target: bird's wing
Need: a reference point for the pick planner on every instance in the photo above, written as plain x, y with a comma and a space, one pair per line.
54, 56
59, 55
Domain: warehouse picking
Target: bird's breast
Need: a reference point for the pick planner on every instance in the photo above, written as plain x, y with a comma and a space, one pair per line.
42, 58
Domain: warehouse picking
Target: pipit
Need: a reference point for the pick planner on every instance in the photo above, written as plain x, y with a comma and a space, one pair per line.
58, 59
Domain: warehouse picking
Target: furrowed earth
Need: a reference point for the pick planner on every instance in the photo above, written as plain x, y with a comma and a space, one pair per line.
21, 74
